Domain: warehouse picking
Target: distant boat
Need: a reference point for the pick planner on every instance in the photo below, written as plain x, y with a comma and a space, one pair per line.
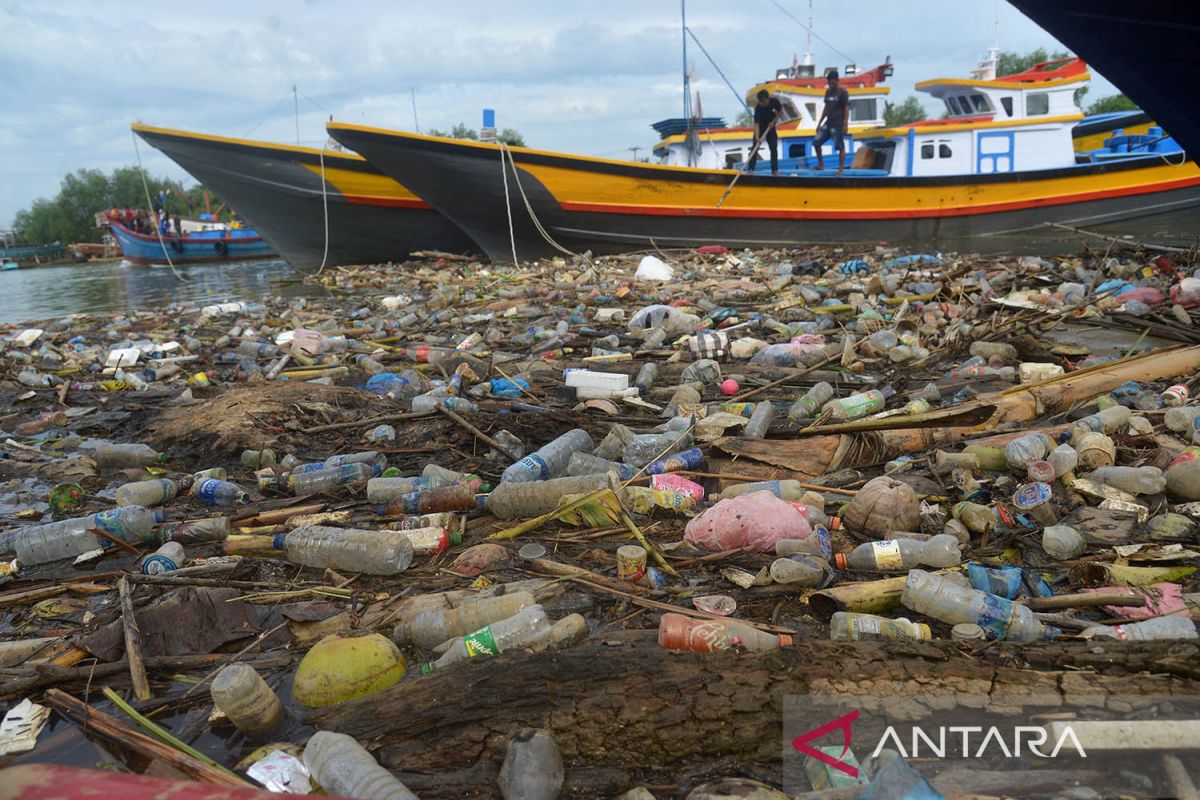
237, 244
278, 188
35, 253
6, 266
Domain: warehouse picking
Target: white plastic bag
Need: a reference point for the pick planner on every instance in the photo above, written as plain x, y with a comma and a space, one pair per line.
653, 269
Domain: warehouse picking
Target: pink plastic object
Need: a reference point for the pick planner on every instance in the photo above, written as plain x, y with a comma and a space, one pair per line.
1143, 294
756, 520
480, 559
729, 387
677, 483
1161, 599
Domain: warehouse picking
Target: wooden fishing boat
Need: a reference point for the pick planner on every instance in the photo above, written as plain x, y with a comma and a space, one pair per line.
238, 244
278, 188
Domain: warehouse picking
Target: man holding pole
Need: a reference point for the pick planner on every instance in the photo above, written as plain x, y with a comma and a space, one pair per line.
766, 117
832, 124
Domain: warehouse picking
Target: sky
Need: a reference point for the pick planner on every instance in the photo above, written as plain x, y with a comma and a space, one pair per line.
583, 77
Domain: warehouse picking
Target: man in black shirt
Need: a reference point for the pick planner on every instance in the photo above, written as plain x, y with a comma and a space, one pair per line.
766, 117
832, 124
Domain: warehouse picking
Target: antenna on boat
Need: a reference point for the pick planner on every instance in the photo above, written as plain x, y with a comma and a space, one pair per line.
296, 107
416, 124
687, 91
808, 53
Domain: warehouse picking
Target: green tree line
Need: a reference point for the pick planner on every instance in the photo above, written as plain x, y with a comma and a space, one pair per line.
70, 216
508, 136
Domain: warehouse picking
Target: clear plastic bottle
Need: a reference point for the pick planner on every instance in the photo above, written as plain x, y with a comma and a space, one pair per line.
1170, 627
430, 628
432, 540
68, 538
524, 628
935, 596
986, 350
1111, 420
858, 405
382, 490
459, 497
350, 549
530, 499
588, 464
785, 490
815, 544
374, 458
677, 632
1180, 419
802, 570
147, 493
194, 531
810, 404
441, 476
532, 768
1135, 480
1063, 542
167, 558
344, 768
1063, 458
646, 377
365, 362
127, 455
900, 554
253, 349
430, 401
894, 779
551, 460
254, 459
322, 479
219, 493
241, 693
381, 435
760, 420
644, 448
1030, 447
848, 626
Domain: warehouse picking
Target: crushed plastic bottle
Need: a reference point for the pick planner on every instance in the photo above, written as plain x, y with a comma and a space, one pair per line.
935, 596
523, 629
344, 768
551, 460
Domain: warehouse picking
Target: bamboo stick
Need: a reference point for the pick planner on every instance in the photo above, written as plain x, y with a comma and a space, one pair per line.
133, 644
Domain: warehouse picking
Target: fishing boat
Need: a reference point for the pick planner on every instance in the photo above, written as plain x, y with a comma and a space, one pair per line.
1004, 178
279, 188
231, 244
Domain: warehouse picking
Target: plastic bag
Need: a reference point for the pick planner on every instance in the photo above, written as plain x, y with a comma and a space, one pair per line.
653, 269
756, 520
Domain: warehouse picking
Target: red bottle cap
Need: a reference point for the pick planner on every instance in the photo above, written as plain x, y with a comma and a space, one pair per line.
839, 560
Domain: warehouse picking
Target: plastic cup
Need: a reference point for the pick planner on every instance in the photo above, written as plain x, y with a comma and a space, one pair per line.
631, 562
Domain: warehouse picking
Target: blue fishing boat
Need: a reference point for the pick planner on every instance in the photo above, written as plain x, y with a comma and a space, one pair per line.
196, 247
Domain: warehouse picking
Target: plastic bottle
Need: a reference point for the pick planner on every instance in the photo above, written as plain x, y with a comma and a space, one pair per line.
588, 464
365, 362
1063, 458
677, 632
381, 490
1111, 420
1030, 447
784, 490
815, 544
167, 558
644, 448
441, 476
646, 377
760, 421
241, 693
1002, 350
848, 626
686, 459
900, 554
319, 480
532, 768
254, 349
1180, 419
551, 460
895, 779
344, 769
644, 500
802, 570
350, 549
195, 531
147, 493
527, 500
431, 541
127, 455
430, 628
381, 435
219, 493
812, 401
858, 405
1170, 627
935, 596
683, 396
258, 458
374, 458
977, 518
459, 497
1135, 480
68, 538
524, 628
1063, 542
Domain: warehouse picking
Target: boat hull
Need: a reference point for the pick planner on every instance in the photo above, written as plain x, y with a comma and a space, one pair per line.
143, 249
611, 206
372, 219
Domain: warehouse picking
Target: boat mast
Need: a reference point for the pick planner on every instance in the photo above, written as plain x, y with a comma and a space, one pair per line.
687, 90
808, 53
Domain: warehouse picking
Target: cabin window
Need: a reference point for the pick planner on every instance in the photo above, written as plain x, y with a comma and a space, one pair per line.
944, 150
732, 158
927, 150
862, 110
952, 105
1007, 103
980, 103
789, 110
797, 150
812, 110
1037, 104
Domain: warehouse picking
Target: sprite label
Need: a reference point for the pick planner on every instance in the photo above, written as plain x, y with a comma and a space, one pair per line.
481, 643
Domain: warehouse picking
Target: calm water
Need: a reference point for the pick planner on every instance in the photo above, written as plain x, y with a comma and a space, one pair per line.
46, 292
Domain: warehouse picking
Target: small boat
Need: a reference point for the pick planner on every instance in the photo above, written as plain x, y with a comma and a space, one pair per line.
233, 244
6, 266
278, 188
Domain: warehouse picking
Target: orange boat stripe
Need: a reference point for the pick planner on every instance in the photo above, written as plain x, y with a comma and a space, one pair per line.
389, 202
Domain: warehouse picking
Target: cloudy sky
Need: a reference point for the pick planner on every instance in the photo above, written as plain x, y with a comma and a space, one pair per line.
586, 77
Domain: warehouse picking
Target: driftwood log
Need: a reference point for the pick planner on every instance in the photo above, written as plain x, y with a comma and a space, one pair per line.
633, 705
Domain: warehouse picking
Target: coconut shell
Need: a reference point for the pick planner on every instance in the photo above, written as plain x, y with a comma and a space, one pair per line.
340, 668
883, 505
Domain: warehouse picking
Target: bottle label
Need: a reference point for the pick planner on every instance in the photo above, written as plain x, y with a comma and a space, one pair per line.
995, 616
864, 628
108, 521
207, 491
857, 405
536, 464
887, 554
481, 643
427, 541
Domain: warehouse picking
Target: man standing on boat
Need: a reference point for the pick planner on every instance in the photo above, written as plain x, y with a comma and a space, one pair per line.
832, 124
766, 116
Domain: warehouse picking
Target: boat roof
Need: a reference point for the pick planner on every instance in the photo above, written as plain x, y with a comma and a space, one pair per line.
961, 124
866, 79
1040, 76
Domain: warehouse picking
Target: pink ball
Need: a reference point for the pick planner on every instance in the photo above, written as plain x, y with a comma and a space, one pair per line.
729, 387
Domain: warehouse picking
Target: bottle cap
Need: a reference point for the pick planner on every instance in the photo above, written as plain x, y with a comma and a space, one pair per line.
455, 537
785, 640
160, 515
162, 458
923, 631
965, 632
673, 630
839, 560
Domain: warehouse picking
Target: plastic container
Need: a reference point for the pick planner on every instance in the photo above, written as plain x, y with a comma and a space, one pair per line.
322, 479
1040, 471
1113, 419
802, 570
523, 629
551, 460
381, 490
1095, 450
810, 404
531, 499
344, 769
459, 497
848, 626
646, 377
1181, 419
194, 531
1028, 448
147, 493
433, 540
588, 464
1063, 459
935, 596
644, 448
1135, 480
1063, 542
68, 538
1034, 499
241, 693
858, 405
532, 768
1170, 627
677, 632
900, 554
350, 549
692, 458
374, 458
219, 493
430, 628
127, 455
785, 490
760, 421
815, 544
167, 558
